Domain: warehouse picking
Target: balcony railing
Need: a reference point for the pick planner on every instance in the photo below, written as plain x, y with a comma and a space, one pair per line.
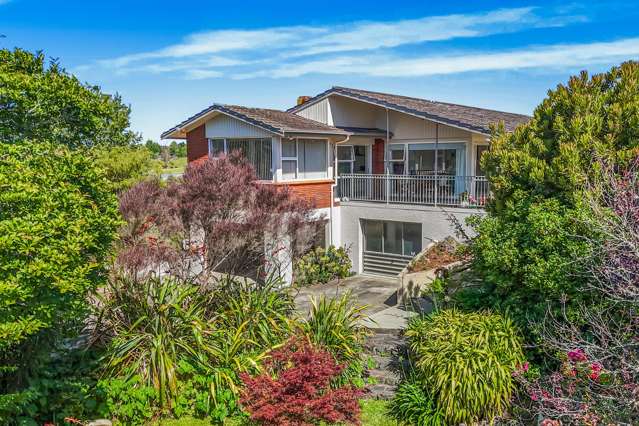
441, 190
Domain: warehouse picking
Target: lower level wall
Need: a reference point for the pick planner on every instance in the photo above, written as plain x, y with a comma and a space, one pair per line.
434, 220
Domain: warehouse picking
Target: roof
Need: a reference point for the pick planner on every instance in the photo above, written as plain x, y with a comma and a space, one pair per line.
465, 117
275, 121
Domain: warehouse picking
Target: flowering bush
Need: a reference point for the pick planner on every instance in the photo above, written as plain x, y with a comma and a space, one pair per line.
295, 389
597, 382
322, 265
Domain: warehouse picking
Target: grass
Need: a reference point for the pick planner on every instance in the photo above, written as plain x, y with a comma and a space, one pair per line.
373, 414
175, 165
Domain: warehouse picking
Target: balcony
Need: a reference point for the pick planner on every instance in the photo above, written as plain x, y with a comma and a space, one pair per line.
428, 190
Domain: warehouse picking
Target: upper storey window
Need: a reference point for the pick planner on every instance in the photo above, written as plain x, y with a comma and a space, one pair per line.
304, 159
258, 152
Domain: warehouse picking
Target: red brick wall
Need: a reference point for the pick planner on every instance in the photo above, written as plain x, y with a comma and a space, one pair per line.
197, 147
378, 157
317, 191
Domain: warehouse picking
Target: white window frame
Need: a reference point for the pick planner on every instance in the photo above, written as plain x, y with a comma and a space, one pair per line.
297, 153
351, 161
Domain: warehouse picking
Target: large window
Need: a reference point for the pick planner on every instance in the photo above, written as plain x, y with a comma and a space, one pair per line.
351, 159
304, 159
258, 151
422, 161
392, 237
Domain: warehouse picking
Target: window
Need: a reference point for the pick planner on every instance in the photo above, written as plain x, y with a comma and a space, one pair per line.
392, 237
258, 151
480, 150
396, 159
304, 159
351, 159
421, 160
289, 158
216, 147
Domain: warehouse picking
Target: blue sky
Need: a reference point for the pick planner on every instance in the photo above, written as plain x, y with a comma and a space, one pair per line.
172, 59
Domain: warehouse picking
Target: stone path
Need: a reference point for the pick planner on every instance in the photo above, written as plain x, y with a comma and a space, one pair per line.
387, 350
386, 320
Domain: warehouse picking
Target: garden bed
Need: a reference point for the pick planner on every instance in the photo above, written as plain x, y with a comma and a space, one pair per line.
438, 255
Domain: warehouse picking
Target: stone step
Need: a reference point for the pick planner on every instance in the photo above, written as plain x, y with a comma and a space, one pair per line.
384, 377
381, 391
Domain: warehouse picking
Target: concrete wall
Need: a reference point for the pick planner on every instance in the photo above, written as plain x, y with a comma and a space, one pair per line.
435, 225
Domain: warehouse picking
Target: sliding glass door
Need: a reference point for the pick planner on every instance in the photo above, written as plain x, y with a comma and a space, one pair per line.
402, 238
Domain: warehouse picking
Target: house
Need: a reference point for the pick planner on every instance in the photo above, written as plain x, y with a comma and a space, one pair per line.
385, 170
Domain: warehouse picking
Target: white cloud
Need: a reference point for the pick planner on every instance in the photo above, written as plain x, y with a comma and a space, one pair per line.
213, 50
559, 56
371, 48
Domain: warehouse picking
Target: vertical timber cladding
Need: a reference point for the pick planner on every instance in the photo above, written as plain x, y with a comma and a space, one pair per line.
389, 246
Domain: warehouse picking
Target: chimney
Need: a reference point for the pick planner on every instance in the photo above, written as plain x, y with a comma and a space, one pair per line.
302, 99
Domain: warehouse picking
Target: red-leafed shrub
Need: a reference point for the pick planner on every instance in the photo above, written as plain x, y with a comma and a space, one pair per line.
294, 389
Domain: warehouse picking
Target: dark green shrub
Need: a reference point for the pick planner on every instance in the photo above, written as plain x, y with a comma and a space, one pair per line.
128, 400
527, 246
321, 265
466, 361
58, 220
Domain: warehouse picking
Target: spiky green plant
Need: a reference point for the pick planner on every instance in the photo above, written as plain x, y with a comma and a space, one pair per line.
264, 308
412, 405
336, 325
466, 360
157, 323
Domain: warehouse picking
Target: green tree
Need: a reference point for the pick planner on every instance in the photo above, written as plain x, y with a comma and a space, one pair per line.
44, 102
153, 147
125, 166
58, 220
528, 246
177, 149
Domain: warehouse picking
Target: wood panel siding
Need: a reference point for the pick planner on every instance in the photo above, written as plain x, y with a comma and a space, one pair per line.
197, 147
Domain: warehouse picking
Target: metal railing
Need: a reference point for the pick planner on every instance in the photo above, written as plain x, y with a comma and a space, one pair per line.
442, 190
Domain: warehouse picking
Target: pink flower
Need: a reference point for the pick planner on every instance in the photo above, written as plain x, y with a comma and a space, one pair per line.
595, 371
577, 355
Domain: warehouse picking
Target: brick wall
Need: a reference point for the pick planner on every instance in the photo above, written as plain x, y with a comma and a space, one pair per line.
378, 157
318, 192
197, 148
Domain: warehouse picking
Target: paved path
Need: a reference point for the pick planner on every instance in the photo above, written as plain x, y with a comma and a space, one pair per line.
378, 293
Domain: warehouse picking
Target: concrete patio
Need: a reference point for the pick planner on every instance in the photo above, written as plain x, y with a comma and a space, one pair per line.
376, 292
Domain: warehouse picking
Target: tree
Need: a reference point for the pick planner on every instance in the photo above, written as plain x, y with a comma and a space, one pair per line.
153, 147
598, 378
528, 246
58, 220
44, 102
177, 149
125, 166
217, 217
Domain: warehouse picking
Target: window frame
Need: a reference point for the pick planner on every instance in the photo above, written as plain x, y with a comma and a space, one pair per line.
296, 159
289, 158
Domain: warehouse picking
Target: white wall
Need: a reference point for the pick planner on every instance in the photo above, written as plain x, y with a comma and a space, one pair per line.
319, 111
435, 225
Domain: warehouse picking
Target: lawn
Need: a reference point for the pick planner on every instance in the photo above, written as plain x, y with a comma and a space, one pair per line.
175, 165
373, 414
